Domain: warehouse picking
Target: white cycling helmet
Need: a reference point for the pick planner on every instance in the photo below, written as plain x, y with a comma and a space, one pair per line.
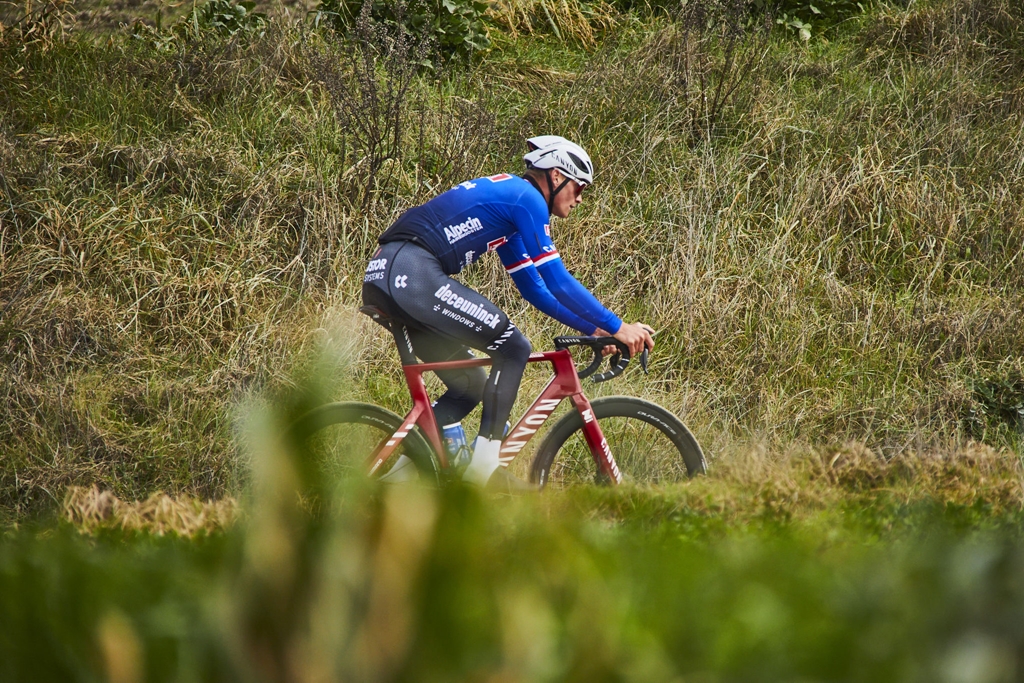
554, 151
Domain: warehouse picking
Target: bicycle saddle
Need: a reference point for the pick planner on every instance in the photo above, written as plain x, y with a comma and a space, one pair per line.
375, 313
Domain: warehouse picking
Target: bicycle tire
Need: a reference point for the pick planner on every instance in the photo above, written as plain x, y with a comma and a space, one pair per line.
345, 433
649, 443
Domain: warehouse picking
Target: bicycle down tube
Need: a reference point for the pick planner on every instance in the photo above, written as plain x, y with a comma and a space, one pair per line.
564, 384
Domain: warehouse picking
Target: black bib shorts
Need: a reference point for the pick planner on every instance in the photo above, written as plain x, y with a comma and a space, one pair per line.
446, 319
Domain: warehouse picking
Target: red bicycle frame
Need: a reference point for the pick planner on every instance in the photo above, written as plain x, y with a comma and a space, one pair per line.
564, 384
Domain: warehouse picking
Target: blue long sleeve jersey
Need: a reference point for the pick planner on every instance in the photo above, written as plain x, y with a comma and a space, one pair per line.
506, 214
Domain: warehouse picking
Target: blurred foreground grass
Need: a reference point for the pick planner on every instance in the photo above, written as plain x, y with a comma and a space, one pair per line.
819, 566
411, 584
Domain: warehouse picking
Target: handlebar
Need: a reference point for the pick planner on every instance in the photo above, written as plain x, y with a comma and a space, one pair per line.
618, 362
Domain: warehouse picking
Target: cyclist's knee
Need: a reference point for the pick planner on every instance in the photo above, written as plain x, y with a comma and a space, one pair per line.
523, 346
514, 347
465, 385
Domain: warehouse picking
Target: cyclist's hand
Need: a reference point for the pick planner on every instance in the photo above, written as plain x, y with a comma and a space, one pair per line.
636, 336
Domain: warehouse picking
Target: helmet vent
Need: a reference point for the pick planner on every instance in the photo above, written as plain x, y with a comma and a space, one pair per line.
579, 162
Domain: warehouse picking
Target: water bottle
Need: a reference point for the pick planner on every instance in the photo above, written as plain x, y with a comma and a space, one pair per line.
457, 446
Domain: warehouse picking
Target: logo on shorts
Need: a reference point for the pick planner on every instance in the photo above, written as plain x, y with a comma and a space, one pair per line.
496, 344
471, 309
373, 270
400, 281
456, 232
469, 257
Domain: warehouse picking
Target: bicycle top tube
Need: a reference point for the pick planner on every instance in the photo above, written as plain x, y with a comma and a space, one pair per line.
619, 360
535, 357
561, 361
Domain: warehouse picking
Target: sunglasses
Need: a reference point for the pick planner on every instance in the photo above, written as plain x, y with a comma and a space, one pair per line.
577, 187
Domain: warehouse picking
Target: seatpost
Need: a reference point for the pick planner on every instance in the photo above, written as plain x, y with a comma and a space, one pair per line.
397, 330
404, 344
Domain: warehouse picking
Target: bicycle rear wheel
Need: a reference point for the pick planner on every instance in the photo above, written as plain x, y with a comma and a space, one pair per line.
342, 436
649, 444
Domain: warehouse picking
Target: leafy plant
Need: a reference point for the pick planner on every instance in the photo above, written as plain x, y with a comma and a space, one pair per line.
220, 17
390, 126
999, 403
455, 26
709, 56
368, 85
225, 17
805, 17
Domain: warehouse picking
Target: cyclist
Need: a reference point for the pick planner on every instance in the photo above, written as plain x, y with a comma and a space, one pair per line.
409, 278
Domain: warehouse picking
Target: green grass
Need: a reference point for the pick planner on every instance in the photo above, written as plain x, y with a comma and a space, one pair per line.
834, 260
833, 263
423, 586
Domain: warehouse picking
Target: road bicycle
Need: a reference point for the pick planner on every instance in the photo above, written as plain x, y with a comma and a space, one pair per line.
608, 440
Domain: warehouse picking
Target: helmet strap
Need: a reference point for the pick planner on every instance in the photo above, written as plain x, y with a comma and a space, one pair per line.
552, 190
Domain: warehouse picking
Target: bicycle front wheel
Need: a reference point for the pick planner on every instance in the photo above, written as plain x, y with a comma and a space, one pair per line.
649, 444
343, 436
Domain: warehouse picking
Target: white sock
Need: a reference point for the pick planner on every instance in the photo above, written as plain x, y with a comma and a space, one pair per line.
485, 461
403, 470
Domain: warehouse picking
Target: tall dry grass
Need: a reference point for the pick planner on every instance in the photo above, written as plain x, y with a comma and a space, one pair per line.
836, 259
91, 509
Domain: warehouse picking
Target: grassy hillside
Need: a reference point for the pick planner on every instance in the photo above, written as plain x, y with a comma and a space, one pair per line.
832, 253
828, 234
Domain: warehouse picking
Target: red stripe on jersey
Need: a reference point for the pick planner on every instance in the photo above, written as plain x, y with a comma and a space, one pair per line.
518, 265
498, 178
545, 258
494, 244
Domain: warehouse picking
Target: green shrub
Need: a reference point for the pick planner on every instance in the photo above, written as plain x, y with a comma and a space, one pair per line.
998, 403
805, 17
226, 17
218, 17
456, 26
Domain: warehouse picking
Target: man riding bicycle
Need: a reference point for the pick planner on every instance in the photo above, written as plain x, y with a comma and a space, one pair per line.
409, 279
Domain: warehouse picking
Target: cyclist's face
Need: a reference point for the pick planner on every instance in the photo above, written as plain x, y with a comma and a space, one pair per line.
568, 198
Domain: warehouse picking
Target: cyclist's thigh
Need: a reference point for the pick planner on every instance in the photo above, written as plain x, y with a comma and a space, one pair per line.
423, 292
429, 346
434, 347
376, 290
